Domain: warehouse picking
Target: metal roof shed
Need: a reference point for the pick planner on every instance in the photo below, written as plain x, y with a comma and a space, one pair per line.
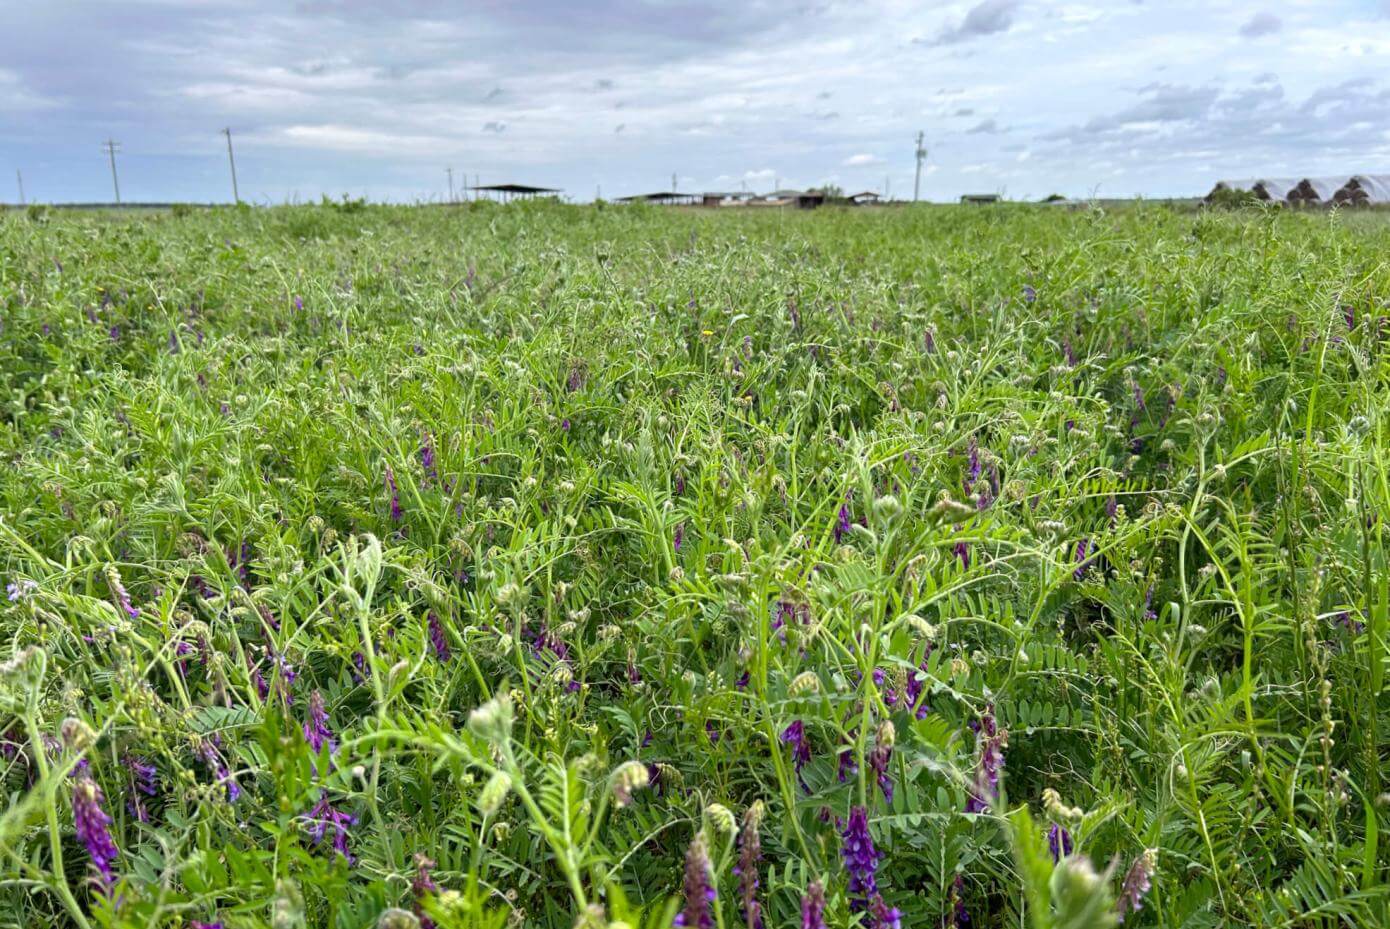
508, 192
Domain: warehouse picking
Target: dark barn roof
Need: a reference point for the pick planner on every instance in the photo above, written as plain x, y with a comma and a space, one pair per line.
516, 189
661, 196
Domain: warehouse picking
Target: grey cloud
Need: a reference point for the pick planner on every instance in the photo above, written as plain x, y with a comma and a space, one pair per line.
984, 127
494, 126
985, 18
1261, 24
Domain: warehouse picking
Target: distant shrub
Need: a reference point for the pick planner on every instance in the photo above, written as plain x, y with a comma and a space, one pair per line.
182, 210
1233, 198
346, 204
37, 213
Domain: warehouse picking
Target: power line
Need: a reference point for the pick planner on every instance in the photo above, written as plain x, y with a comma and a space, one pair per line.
111, 148
236, 196
921, 156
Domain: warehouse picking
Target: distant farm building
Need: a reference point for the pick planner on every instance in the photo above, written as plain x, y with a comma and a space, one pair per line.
666, 197
805, 199
509, 192
979, 199
725, 198
865, 198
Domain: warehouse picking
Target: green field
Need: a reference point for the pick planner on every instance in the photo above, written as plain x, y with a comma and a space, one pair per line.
546, 565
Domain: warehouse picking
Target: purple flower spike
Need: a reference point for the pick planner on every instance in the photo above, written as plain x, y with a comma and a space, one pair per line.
199, 924
1059, 842
1083, 549
750, 852
795, 736
698, 912
422, 888
438, 641
144, 779
842, 524
323, 818
678, 537
427, 459
316, 731
1138, 882
861, 864
992, 741
93, 827
813, 907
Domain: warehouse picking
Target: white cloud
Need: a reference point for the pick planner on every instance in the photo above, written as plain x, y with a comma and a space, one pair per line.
862, 161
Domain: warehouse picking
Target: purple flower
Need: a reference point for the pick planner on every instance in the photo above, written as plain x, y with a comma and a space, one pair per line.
813, 907
422, 888
199, 924
1138, 882
712, 732
20, 590
861, 860
880, 756
929, 338
847, 765
750, 852
1112, 508
962, 551
208, 751
113, 580
795, 736
565, 424
1149, 603
323, 818
678, 536
93, 827
427, 461
1059, 842
316, 731
916, 686
394, 492
960, 916
882, 916
1083, 548
698, 912
299, 304
842, 525
437, 638
1029, 293
144, 779
991, 741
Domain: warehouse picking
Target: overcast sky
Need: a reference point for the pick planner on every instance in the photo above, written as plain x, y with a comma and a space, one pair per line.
1026, 97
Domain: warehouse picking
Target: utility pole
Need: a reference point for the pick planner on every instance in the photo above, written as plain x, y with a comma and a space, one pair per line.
921, 156
20, 178
887, 187
236, 196
673, 182
450, 171
112, 147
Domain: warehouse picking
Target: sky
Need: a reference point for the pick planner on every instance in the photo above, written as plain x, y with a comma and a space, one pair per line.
377, 99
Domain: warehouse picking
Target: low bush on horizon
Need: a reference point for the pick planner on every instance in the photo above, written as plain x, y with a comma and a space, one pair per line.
573, 567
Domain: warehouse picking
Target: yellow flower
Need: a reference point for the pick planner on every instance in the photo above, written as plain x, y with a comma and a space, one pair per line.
707, 333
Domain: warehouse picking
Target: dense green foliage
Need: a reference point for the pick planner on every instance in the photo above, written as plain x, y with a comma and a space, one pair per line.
668, 483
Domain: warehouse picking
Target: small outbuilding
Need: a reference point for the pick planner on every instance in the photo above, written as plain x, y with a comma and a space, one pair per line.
979, 199
508, 192
664, 197
864, 198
